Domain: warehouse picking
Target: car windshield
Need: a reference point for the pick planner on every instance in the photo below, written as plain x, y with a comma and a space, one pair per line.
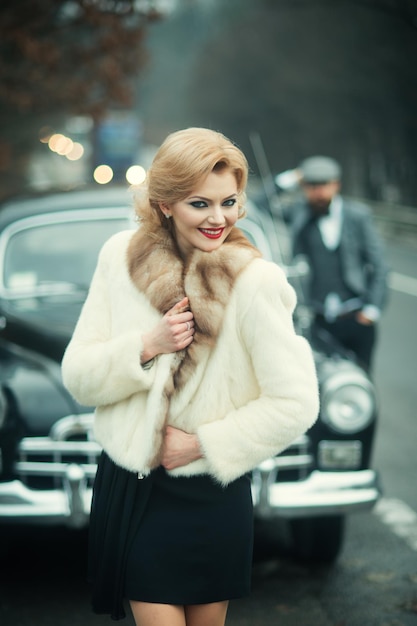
54, 258
47, 262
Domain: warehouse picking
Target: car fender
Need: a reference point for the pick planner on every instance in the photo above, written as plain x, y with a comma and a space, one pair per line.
33, 389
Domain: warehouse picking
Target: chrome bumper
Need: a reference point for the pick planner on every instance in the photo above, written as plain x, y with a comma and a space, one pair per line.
321, 493
69, 505
68, 502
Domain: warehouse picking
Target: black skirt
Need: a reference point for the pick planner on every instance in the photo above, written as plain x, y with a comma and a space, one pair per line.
170, 540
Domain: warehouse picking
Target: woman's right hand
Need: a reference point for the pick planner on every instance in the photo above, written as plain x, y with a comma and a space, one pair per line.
174, 332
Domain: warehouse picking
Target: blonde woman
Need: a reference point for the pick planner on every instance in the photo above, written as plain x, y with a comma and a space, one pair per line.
186, 347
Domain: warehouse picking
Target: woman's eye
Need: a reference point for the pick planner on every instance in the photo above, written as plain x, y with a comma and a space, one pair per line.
202, 204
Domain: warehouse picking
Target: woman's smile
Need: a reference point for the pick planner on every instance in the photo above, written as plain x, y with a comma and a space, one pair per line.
212, 233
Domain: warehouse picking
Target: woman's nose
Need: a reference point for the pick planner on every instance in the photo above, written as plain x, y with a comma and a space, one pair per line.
216, 215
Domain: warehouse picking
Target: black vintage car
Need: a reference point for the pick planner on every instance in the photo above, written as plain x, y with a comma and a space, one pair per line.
48, 250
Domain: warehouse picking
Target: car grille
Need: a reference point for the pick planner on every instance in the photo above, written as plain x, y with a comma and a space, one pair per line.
293, 464
296, 462
43, 461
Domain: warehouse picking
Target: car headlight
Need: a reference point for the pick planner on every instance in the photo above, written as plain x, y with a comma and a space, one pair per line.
348, 402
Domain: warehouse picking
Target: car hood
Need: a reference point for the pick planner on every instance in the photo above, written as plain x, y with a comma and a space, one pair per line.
45, 329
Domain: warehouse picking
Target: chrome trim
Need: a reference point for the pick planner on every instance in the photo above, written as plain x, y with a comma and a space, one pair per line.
69, 500
44, 445
58, 449
30, 468
72, 425
69, 505
322, 493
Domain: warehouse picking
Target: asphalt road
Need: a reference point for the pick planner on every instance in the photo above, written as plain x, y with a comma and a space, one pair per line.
373, 583
396, 378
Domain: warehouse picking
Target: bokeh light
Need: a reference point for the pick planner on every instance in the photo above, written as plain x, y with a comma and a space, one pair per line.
76, 151
136, 175
103, 174
56, 142
65, 146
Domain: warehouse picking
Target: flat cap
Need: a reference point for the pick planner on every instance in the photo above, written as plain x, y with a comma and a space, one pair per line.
319, 169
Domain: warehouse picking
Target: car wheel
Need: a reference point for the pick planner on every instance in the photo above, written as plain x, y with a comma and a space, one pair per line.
317, 539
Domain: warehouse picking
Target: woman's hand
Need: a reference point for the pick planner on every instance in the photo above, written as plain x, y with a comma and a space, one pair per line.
174, 332
179, 448
363, 319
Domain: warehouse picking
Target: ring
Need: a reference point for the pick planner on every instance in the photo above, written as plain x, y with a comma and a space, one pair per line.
188, 325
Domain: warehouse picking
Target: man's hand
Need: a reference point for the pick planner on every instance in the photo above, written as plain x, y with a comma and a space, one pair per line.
361, 318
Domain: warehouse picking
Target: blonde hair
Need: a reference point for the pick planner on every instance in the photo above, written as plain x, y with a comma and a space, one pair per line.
184, 159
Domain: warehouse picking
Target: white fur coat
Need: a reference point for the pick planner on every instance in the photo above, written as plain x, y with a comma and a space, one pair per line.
247, 384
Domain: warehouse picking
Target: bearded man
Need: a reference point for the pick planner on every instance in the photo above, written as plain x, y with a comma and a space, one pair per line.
348, 273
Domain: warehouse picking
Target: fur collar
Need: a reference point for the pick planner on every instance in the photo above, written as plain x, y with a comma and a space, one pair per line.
207, 278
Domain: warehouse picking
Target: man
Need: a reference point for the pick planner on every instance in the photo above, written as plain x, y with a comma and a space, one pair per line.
348, 286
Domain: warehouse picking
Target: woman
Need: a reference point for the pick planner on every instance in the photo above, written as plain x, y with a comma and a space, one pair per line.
186, 348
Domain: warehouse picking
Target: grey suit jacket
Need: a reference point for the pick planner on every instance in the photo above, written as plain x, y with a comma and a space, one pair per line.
363, 264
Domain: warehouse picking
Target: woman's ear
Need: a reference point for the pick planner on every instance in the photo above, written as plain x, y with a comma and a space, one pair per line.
165, 210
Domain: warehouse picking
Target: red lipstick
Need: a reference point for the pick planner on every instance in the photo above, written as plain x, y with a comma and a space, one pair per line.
212, 233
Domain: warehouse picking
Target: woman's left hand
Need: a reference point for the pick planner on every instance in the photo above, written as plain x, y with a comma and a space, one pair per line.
179, 448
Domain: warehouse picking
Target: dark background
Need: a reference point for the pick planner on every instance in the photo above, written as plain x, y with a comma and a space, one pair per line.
330, 77
335, 77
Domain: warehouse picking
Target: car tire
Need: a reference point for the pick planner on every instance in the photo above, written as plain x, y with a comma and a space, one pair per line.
317, 539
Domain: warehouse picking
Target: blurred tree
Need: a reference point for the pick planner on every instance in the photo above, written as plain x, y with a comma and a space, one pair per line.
61, 58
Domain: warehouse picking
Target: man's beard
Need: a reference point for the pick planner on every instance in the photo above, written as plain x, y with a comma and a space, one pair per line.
320, 207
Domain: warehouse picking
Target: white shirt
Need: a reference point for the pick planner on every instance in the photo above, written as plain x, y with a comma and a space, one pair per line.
330, 227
